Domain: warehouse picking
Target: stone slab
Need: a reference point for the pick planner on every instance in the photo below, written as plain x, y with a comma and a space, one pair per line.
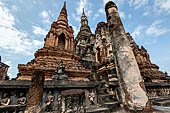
48, 84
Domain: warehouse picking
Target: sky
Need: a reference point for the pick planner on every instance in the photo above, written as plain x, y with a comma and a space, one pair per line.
25, 23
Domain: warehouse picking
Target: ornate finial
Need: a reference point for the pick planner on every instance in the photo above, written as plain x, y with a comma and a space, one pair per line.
83, 13
84, 20
65, 4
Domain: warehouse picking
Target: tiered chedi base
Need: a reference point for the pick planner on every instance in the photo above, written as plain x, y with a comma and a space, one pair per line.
48, 58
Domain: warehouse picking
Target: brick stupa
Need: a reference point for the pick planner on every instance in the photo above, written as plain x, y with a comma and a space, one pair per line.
59, 46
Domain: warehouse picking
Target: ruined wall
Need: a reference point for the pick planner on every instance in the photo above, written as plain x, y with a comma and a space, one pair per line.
36, 90
3, 70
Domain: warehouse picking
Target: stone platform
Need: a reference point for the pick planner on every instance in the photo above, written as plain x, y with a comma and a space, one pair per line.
17, 84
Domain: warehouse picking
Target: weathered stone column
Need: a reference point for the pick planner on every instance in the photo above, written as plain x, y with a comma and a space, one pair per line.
132, 87
35, 92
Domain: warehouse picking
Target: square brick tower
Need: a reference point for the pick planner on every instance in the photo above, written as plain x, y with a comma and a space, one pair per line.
59, 46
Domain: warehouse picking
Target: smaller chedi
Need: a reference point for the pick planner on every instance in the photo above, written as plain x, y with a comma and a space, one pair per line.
58, 46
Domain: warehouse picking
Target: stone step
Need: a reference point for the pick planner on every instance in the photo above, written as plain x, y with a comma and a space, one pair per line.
111, 104
105, 95
161, 103
98, 110
160, 99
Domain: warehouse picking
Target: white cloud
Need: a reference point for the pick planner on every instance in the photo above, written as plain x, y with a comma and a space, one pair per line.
76, 18
129, 16
8, 63
96, 16
89, 12
155, 29
82, 4
86, 4
122, 15
39, 31
14, 8
105, 1
45, 17
137, 3
146, 13
162, 5
44, 14
36, 1
138, 30
75, 30
13, 40
101, 11
150, 42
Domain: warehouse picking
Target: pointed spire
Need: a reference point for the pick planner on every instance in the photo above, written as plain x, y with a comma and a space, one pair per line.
84, 20
83, 13
63, 16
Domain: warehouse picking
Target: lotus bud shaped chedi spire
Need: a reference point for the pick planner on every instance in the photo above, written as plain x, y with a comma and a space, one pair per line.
62, 19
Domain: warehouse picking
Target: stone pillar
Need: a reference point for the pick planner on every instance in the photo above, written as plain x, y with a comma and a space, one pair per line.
35, 92
131, 84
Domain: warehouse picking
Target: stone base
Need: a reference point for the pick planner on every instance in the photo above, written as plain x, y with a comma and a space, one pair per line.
60, 77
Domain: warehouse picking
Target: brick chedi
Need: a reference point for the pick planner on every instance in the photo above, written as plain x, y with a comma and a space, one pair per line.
58, 46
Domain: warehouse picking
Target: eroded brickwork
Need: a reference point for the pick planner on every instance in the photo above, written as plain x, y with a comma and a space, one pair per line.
36, 89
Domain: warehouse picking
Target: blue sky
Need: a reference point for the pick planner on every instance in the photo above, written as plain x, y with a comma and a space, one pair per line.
25, 23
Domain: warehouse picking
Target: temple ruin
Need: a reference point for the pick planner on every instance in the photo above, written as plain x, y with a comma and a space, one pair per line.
105, 72
3, 70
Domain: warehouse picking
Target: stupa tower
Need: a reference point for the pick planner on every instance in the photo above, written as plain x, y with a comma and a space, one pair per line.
58, 46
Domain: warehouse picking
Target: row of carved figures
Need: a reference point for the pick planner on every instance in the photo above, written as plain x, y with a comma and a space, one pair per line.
73, 103
6, 99
156, 92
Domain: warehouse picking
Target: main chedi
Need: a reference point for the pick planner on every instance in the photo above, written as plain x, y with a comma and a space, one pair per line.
58, 46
